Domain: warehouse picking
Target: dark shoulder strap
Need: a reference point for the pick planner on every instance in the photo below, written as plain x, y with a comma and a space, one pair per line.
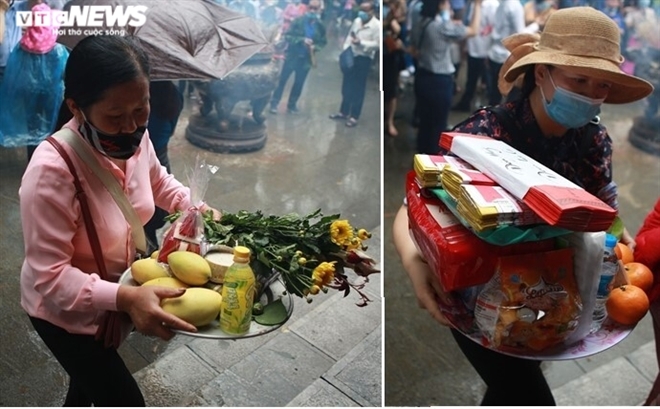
421, 35
109, 330
84, 206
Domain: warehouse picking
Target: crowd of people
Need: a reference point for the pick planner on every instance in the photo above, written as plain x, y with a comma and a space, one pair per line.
481, 53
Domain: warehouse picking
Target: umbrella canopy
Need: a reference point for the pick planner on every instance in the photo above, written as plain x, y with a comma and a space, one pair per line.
185, 39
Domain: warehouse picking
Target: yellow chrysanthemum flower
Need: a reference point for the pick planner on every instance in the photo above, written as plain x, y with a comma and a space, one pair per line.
341, 232
325, 272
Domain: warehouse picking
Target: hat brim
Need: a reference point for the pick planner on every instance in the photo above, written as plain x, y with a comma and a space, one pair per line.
625, 88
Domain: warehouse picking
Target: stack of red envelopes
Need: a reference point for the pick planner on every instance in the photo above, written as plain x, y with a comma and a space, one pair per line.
554, 198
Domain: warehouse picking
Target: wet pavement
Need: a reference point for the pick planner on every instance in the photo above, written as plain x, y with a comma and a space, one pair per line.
424, 366
327, 354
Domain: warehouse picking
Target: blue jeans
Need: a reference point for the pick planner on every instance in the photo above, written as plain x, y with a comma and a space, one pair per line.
434, 95
292, 64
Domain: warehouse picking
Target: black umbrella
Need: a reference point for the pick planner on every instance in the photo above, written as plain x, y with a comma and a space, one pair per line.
185, 39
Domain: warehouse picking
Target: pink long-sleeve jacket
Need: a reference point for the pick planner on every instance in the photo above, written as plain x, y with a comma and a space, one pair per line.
59, 277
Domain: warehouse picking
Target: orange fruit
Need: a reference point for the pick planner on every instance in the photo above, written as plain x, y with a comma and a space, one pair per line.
639, 275
627, 304
624, 253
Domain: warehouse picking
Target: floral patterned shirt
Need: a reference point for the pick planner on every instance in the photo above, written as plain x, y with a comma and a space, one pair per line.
582, 155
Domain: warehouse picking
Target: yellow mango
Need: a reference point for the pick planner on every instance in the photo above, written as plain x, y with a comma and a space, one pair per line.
170, 282
155, 254
147, 269
189, 267
199, 306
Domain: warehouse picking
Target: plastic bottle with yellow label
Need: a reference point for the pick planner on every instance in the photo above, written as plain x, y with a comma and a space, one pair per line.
238, 294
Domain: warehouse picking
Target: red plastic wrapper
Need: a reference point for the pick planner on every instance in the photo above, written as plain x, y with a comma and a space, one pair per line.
187, 232
459, 258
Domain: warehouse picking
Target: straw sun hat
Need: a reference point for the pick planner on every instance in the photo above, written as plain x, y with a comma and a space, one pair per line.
581, 39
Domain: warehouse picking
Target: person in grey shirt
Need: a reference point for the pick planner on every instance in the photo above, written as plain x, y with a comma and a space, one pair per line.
509, 20
434, 78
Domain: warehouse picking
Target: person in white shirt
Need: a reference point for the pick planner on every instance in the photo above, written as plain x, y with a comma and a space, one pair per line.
364, 39
509, 20
477, 48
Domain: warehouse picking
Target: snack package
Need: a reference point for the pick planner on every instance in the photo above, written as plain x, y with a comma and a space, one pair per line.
187, 232
531, 303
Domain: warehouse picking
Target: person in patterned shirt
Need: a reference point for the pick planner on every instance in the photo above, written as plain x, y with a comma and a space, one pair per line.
555, 84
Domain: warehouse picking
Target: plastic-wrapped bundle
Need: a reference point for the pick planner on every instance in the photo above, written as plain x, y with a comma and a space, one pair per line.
30, 95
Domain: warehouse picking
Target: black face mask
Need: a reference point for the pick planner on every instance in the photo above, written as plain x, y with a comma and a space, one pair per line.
116, 146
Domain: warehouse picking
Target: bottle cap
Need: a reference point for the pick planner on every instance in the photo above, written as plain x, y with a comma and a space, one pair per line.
241, 252
610, 240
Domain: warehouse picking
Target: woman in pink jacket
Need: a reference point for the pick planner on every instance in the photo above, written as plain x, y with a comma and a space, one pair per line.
106, 104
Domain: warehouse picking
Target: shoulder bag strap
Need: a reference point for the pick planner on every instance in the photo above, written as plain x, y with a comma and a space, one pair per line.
421, 35
109, 331
84, 206
86, 155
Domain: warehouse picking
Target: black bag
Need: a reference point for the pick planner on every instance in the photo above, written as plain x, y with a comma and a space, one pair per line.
346, 59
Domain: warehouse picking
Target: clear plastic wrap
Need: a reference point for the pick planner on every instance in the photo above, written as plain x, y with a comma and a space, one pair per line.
30, 95
588, 261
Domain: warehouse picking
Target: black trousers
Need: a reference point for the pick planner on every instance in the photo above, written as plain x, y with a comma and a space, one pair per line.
353, 87
494, 96
299, 66
476, 69
511, 381
97, 374
434, 94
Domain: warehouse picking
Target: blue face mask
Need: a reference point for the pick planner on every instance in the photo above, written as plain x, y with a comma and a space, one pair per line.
569, 109
444, 15
363, 16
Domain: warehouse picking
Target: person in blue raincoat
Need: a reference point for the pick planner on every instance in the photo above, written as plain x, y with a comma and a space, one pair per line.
32, 88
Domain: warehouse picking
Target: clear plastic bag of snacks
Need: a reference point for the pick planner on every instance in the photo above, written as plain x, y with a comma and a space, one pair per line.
531, 303
187, 232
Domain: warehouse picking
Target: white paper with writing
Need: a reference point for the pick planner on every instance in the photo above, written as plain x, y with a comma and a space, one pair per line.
511, 169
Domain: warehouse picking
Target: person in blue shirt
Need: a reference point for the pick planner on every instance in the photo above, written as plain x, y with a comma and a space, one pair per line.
305, 37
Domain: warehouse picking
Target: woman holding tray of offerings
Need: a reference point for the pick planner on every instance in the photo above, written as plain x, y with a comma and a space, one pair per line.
81, 313
555, 83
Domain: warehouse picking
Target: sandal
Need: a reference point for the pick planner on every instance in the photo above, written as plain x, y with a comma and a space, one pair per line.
337, 116
351, 122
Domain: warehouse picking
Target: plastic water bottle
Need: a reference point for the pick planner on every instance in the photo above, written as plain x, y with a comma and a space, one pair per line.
238, 294
607, 272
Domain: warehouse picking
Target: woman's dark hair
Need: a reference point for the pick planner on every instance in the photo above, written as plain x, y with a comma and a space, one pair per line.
430, 8
529, 81
96, 64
